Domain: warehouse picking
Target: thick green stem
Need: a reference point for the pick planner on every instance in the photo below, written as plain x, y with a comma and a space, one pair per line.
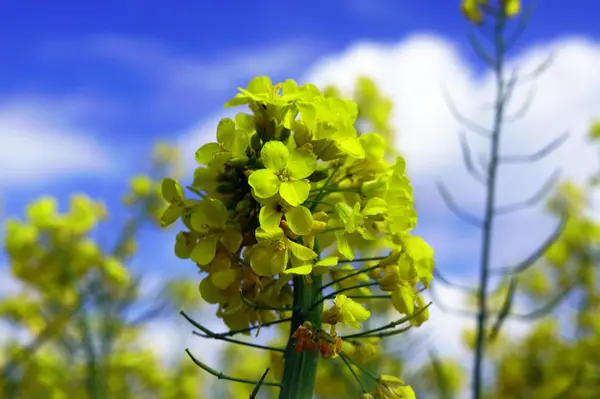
300, 369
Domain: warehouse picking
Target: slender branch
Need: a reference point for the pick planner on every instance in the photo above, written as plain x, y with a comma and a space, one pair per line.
257, 306
210, 334
509, 88
321, 194
537, 156
438, 274
222, 376
537, 254
454, 208
259, 384
318, 202
336, 190
548, 307
386, 333
534, 199
356, 273
540, 69
468, 123
195, 191
371, 259
479, 50
334, 293
520, 28
149, 314
353, 373
389, 325
361, 368
468, 160
243, 330
505, 310
369, 296
523, 110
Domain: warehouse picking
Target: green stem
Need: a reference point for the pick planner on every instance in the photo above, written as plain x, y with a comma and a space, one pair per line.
315, 202
373, 258
244, 330
337, 190
321, 192
258, 306
384, 334
369, 296
362, 387
222, 376
300, 369
389, 325
259, 384
195, 191
489, 210
333, 294
355, 273
210, 334
361, 368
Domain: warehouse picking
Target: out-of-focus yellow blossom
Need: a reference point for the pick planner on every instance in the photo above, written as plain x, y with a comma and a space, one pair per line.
390, 387
345, 311
472, 10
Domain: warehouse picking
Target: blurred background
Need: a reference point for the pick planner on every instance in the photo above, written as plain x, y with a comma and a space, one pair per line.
102, 100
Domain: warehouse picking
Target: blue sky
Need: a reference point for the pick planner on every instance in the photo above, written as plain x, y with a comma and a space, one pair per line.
126, 73
129, 73
86, 88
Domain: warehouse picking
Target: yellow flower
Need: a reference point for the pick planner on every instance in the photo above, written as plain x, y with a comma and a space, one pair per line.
472, 10
346, 311
390, 387
511, 7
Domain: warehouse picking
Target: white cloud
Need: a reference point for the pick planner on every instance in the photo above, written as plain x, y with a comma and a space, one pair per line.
37, 143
